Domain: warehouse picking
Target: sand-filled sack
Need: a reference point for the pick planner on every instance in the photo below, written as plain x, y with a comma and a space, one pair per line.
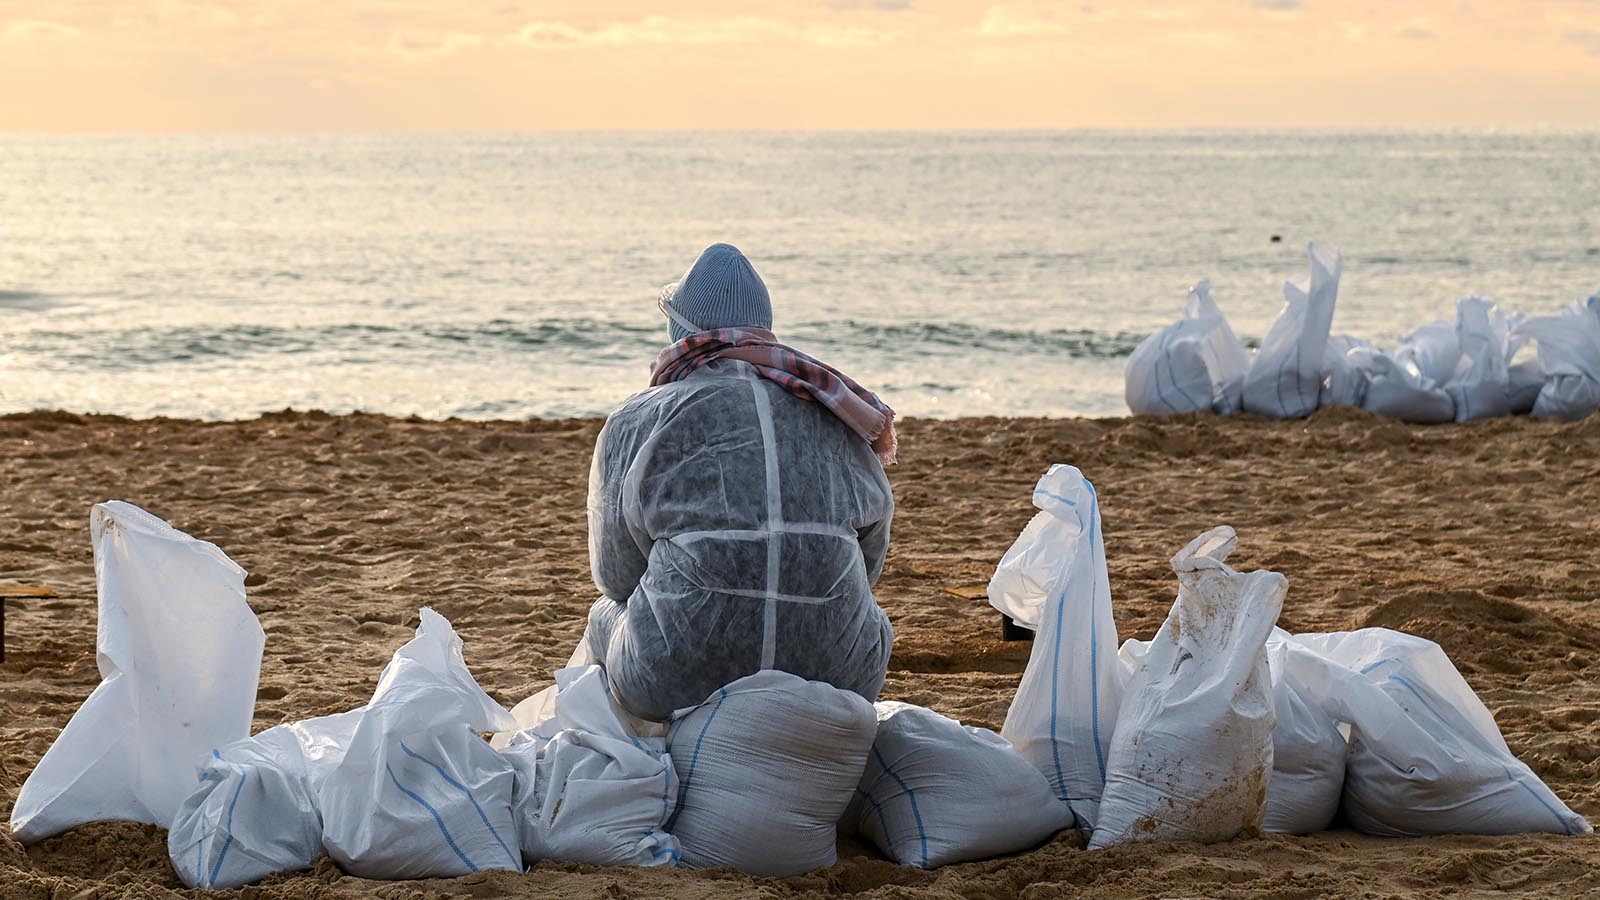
1062, 717
1308, 752
1481, 384
766, 767
418, 793
1285, 377
1195, 364
1397, 388
1446, 369
255, 809
179, 653
1308, 747
1192, 754
1346, 365
589, 789
1569, 355
937, 792
1425, 754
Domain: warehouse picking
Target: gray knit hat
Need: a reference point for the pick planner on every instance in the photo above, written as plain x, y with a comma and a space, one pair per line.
721, 290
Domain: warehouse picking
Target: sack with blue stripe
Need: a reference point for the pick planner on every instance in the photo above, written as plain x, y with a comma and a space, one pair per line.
1053, 579
1397, 388
1193, 365
588, 788
1191, 759
1425, 754
419, 794
1447, 369
937, 792
766, 767
254, 811
1286, 377
1481, 385
1569, 358
1349, 371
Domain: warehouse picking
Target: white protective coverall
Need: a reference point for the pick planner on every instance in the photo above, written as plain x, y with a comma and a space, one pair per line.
734, 527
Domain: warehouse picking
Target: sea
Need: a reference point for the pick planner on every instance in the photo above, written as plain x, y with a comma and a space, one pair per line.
516, 275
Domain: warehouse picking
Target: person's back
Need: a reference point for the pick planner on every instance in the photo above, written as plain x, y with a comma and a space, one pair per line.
734, 527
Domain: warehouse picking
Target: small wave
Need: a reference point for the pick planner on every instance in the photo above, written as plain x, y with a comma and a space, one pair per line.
350, 341
582, 333
14, 299
1080, 343
1414, 261
356, 343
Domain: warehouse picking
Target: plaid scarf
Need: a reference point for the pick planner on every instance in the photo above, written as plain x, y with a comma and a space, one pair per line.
799, 374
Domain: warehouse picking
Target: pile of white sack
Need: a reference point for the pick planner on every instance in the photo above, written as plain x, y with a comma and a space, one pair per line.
1224, 722
761, 776
1218, 725
1449, 370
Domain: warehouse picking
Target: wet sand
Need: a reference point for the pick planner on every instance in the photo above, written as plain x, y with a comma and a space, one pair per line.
1483, 537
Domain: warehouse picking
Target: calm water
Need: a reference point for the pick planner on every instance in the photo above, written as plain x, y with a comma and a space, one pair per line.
515, 276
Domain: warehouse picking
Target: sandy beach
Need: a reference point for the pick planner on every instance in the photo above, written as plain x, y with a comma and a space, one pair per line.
1483, 537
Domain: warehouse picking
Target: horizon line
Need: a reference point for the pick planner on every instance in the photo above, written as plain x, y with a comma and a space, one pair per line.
1041, 130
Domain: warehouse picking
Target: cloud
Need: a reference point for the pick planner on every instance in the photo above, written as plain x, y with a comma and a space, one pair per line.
422, 47
651, 30
883, 5
1416, 33
1278, 5
847, 36
181, 12
1011, 22
666, 31
34, 29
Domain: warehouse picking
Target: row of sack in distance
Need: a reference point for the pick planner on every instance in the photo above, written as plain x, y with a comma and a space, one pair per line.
1447, 370
1223, 722
760, 777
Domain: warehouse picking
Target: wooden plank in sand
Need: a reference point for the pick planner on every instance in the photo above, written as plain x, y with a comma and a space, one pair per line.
20, 592
1009, 629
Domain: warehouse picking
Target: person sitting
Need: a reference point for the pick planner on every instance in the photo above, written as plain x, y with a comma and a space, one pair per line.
738, 509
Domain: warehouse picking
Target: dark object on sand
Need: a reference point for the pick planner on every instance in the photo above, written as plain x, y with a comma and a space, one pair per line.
1277, 239
31, 592
1011, 631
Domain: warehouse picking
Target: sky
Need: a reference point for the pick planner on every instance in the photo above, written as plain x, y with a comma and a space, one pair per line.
517, 65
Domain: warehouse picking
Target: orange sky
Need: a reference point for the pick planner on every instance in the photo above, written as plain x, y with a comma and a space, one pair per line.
449, 65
